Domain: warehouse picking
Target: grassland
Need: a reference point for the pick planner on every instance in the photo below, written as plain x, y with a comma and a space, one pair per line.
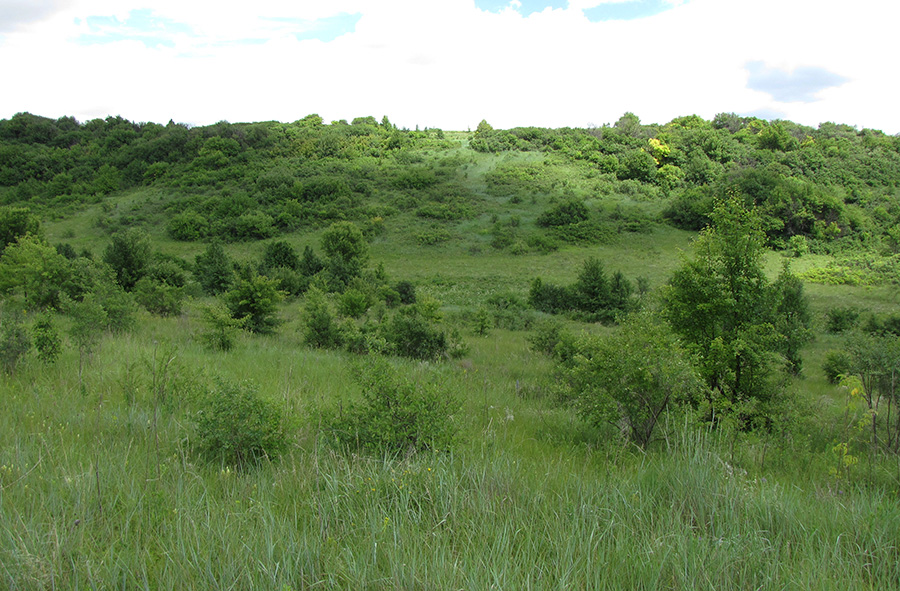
101, 486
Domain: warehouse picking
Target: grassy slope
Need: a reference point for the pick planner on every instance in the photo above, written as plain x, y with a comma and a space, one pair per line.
531, 498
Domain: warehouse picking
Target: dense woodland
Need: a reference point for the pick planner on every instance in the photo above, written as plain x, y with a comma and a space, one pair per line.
288, 355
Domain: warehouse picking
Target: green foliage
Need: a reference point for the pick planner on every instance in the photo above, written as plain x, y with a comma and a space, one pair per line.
836, 366
16, 222
279, 254
320, 324
188, 226
546, 336
792, 318
347, 253
46, 338
406, 291
353, 303
159, 297
15, 341
88, 321
396, 415
33, 270
550, 298
221, 328
237, 426
842, 318
594, 296
129, 254
255, 298
728, 313
566, 212
213, 269
631, 376
411, 332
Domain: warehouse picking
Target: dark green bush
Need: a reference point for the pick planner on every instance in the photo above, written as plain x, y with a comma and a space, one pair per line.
257, 300
406, 291
570, 211
159, 298
188, 226
46, 338
840, 319
238, 427
396, 415
410, 334
320, 323
14, 341
836, 365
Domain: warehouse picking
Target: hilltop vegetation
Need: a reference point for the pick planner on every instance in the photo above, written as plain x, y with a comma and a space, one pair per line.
295, 355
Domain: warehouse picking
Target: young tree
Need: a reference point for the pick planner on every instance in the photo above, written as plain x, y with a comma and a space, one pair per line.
255, 299
34, 270
213, 269
727, 312
792, 318
88, 321
16, 222
321, 329
14, 340
347, 251
129, 255
631, 376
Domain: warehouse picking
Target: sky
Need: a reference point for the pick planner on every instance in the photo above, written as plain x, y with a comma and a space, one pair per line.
452, 63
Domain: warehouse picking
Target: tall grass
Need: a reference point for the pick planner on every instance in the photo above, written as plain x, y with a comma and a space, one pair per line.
527, 501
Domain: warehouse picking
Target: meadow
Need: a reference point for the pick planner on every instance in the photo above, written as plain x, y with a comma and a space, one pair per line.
103, 485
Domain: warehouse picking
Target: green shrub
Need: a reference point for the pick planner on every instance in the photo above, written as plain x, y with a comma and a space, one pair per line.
546, 336
159, 298
836, 365
841, 318
14, 341
353, 303
46, 339
188, 226
564, 213
396, 415
257, 300
410, 334
320, 325
406, 291
221, 329
236, 426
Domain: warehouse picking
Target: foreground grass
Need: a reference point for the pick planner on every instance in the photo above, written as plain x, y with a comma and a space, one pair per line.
103, 489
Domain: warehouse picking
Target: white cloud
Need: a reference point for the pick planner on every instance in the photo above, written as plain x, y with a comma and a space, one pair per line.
449, 64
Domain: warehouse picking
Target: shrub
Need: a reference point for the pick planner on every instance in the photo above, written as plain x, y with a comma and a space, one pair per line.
321, 328
159, 298
236, 426
841, 319
353, 303
14, 341
396, 414
836, 365
546, 337
188, 226
257, 300
406, 291
46, 339
410, 334
213, 269
550, 298
221, 328
564, 213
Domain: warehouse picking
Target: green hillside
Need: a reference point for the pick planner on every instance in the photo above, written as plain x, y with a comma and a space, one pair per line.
311, 355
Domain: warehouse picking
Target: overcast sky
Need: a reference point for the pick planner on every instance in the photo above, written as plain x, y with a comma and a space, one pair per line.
452, 63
